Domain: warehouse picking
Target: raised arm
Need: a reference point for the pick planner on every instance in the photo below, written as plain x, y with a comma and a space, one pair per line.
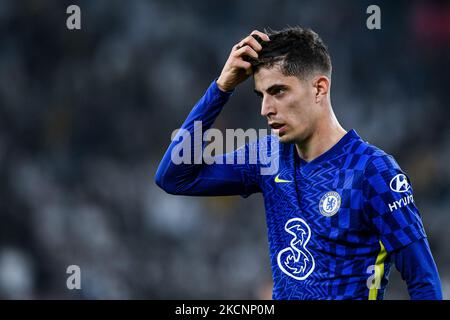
218, 177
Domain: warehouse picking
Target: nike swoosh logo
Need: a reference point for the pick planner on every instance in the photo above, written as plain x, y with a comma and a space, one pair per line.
278, 180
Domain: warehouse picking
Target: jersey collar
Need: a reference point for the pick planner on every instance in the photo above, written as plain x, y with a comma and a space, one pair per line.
307, 167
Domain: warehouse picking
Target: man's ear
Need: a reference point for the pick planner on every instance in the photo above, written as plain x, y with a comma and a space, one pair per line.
322, 87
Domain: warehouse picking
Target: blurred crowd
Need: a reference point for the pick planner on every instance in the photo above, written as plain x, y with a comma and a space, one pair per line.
86, 115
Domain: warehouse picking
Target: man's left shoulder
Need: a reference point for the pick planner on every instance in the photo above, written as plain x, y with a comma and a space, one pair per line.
362, 156
374, 158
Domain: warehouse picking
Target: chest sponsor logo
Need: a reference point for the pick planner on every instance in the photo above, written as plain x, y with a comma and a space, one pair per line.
330, 203
296, 261
399, 183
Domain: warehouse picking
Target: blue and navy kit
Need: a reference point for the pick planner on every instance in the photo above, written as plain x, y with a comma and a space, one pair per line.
335, 224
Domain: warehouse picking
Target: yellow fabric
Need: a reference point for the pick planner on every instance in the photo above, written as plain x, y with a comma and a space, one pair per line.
379, 271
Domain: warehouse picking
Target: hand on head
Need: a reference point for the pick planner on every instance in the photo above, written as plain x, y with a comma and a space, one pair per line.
238, 68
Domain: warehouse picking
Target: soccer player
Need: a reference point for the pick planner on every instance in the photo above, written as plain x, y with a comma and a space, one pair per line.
339, 210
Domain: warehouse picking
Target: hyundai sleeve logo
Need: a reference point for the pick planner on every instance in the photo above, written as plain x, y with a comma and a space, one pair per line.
399, 183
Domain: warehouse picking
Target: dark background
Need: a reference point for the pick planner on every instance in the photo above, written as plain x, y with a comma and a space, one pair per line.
85, 117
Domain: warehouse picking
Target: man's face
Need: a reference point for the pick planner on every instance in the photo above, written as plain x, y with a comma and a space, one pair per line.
288, 103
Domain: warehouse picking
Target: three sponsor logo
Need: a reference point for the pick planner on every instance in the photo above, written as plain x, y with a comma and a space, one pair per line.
295, 260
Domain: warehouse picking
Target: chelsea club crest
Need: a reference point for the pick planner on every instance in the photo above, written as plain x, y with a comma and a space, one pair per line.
330, 203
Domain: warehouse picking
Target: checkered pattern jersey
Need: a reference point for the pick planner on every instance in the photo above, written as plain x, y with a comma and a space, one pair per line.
334, 222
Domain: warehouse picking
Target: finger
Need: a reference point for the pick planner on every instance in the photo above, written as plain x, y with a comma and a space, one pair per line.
246, 50
262, 35
252, 42
244, 65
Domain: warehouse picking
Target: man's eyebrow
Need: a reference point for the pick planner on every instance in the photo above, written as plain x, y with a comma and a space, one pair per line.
272, 89
275, 87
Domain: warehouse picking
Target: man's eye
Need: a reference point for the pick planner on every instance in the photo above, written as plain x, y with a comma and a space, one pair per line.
279, 91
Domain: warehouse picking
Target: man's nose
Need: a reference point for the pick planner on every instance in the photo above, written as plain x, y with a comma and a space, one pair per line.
267, 107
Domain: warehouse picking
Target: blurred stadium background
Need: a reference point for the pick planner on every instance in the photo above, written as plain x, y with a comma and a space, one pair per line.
85, 117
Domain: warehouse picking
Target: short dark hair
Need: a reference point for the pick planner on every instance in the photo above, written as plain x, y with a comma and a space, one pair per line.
299, 51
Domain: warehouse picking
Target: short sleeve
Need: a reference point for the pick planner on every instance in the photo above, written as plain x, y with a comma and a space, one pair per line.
389, 203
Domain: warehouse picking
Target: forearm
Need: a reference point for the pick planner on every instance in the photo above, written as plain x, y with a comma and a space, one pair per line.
186, 177
196, 178
417, 267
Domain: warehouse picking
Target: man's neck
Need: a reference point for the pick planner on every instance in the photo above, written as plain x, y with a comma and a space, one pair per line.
322, 140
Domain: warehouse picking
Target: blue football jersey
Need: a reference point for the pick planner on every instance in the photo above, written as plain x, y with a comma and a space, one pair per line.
333, 223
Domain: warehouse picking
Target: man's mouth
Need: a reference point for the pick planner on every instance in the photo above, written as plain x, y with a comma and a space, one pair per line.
278, 127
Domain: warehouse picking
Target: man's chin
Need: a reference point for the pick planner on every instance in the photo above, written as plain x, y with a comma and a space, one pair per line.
284, 138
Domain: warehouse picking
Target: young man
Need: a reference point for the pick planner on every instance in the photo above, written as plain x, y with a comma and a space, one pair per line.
339, 210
